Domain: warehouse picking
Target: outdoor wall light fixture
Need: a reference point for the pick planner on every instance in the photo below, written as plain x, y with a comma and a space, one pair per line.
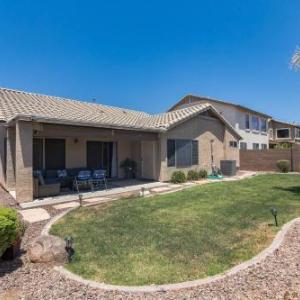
274, 213
69, 246
75, 141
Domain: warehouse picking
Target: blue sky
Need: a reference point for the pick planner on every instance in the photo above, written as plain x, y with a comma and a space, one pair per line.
146, 55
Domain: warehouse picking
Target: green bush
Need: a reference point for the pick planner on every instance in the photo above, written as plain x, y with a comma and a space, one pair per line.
203, 174
192, 175
11, 228
178, 177
283, 165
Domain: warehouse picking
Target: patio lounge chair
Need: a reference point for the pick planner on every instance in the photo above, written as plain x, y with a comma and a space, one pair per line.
83, 179
42, 189
99, 178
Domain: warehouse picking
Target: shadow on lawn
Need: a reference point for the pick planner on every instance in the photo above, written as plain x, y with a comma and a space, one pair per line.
292, 189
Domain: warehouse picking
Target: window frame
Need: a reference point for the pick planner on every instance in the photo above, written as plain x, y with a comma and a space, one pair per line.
246, 146
263, 120
46, 149
194, 157
233, 144
297, 133
247, 122
283, 138
252, 123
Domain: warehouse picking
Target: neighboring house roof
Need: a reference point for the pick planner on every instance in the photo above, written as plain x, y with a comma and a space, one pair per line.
208, 99
17, 104
287, 123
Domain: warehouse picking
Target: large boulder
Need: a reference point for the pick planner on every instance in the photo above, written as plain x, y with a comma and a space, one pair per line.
47, 248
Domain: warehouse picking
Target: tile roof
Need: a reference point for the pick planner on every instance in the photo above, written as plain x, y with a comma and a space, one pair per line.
14, 104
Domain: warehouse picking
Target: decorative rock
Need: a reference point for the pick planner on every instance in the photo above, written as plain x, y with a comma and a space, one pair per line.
47, 248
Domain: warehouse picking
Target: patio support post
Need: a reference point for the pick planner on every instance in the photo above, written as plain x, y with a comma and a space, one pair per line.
2, 154
10, 159
24, 145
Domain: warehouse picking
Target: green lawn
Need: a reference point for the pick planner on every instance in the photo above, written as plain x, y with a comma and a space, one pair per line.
183, 236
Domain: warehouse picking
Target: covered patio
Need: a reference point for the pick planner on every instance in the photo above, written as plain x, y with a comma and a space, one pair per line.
50, 148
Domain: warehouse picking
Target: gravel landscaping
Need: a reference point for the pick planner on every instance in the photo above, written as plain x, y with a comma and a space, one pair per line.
277, 277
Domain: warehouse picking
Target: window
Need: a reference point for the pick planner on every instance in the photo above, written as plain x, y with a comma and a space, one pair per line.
38, 154
263, 125
247, 121
182, 153
255, 146
297, 133
195, 156
171, 153
264, 146
243, 146
233, 144
55, 156
283, 133
255, 123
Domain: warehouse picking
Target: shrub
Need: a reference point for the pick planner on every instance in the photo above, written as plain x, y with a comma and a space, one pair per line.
283, 165
192, 175
178, 177
11, 228
203, 174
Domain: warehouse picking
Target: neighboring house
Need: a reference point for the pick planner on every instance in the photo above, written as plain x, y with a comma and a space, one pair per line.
39, 132
250, 124
281, 132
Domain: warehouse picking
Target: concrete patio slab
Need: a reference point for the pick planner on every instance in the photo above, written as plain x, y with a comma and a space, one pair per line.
117, 191
66, 205
35, 215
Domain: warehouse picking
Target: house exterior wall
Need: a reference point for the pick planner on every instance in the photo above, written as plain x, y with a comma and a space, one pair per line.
203, 129
11, 159
3, 131
237, 118
274, 125
24, 178
128, 143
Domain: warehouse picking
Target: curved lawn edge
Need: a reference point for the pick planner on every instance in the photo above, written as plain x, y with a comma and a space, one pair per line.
276, 243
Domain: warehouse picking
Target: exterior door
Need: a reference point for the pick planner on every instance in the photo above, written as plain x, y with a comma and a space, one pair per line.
99, 156
149, 155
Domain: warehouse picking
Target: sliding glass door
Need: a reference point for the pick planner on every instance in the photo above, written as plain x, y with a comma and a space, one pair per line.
99, 155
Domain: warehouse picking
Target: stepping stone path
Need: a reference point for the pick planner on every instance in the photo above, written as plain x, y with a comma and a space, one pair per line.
99, 199
35, 215
66, 205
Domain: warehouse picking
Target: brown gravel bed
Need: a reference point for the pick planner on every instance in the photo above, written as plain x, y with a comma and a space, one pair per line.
277, 277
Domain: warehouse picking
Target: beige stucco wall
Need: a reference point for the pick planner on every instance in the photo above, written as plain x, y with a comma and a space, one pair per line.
128, 143
2, 154
24, 179
204, 129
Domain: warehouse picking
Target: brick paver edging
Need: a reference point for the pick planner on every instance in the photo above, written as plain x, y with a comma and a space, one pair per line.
175, 286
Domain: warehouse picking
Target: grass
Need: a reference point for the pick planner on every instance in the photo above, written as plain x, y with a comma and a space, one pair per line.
177, 237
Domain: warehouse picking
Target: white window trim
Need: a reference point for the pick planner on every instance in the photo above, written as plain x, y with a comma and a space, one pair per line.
287, 138
260, 122
248, 129
254, 129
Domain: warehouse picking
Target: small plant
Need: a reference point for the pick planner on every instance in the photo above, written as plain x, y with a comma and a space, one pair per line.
178, 177
283, 165
203, 174
192, 175
11, 228
129, 167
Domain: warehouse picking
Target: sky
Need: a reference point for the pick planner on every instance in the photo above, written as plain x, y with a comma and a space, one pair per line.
147, 55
